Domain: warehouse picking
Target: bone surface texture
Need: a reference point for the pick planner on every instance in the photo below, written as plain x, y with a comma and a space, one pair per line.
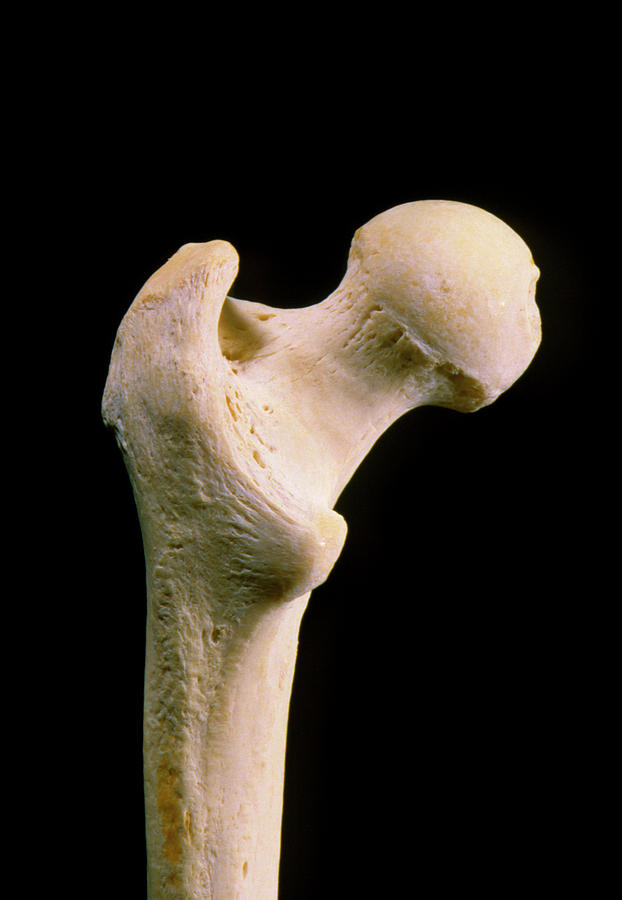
240, 424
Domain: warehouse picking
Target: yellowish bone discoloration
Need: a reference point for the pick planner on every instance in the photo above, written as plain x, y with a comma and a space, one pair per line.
169, 806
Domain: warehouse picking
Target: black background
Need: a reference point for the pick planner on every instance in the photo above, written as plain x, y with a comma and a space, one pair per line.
449, 711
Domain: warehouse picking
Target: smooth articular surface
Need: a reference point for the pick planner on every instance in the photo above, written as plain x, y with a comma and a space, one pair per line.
240, 425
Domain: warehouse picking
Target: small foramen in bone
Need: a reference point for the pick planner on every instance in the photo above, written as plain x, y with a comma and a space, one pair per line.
240, 425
